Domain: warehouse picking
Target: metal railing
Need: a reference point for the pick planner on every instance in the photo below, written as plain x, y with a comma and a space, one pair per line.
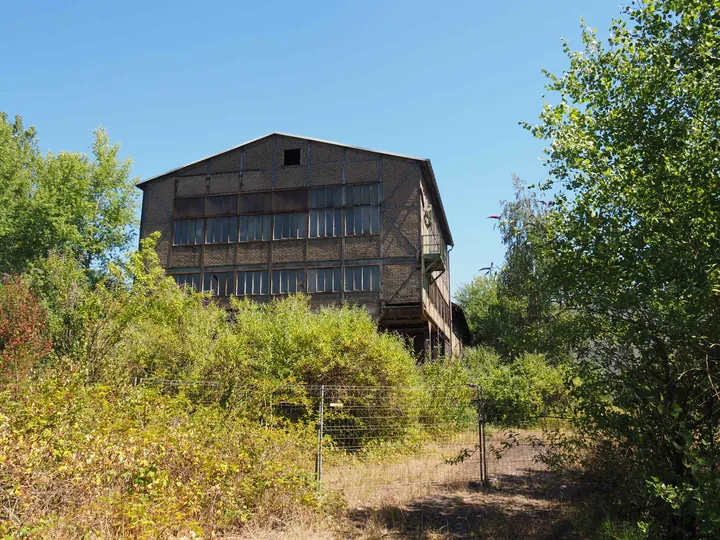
433, 246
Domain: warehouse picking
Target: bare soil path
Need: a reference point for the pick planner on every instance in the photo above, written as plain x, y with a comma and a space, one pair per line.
534, 506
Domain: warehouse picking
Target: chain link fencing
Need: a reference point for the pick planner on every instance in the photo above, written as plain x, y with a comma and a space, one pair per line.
371, 439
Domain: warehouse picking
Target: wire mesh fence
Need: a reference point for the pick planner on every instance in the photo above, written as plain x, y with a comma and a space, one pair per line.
377, 438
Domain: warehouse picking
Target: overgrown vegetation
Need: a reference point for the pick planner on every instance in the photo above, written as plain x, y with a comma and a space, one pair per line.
132, 406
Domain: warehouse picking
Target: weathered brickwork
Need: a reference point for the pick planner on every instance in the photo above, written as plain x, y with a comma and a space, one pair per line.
408, 208
324, 249
289, 251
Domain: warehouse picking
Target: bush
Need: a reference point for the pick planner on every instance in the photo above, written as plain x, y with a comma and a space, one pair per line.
81, 459
520, 391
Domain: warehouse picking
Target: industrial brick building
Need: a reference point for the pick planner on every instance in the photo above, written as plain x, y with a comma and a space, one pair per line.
284, 214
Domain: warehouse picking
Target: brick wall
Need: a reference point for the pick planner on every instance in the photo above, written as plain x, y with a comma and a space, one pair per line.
259, 167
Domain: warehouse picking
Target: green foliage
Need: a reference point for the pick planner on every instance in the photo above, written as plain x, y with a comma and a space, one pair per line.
62, 202
633, 246
519, 392
514, 311
94, 460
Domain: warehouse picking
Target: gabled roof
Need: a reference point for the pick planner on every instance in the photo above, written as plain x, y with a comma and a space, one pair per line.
427, 169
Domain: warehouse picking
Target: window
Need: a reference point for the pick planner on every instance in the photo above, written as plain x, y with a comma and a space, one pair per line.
326, 197
324, 280
325, 222
256, 203
191, 207
250, 283
218, 284
292, 157
363, 195
188, 232
288, 281
290, 200
362, 220
363, 214
254, 228
362, 278
221, 230
221, 205
290, 225
188, 280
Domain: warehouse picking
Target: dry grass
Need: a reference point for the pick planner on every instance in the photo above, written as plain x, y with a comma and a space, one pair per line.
524, 500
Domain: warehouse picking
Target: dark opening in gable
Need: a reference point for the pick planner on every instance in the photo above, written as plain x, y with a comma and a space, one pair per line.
292, 157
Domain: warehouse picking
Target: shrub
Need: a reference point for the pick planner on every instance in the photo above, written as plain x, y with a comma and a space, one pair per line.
23, 336
80, 460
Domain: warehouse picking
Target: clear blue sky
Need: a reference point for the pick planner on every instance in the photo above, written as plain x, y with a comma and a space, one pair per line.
177, 81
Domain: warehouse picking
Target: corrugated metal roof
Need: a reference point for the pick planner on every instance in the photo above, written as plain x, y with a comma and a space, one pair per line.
426, 162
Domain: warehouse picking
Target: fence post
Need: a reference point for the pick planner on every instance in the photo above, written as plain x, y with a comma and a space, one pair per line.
319, 456
483, 438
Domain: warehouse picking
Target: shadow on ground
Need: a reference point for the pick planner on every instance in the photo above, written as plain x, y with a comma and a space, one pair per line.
531, 504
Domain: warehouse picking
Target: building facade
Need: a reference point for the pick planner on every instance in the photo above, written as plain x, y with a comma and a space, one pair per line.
284, 214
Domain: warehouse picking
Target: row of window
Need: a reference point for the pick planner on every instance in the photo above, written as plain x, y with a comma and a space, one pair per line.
320, 223
293, 200
315, 280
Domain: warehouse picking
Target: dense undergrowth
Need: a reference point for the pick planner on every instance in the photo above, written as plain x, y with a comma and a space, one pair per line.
130, 407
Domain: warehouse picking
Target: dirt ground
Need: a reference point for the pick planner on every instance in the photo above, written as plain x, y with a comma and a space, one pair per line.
533, 506
524, 500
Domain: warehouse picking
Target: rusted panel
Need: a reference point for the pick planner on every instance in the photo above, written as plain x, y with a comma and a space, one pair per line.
256, 203
294, 200
221, 205
190, 207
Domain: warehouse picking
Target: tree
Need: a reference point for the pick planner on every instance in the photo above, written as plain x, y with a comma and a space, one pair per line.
634, 245
514, 311
62, 202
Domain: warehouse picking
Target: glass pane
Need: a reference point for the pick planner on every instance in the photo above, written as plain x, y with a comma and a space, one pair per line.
357, 278
300, 281
264, 284
195, 281
357, 226
348, 279
265, 235
314, 198
210, 231
322, 198
221, 233
199, 230
276, 282
241, 283
375, 194
178, 233
206, 283
257, 282
375, 278
313, 281
313, 224
367, 281
321, 284
277, 232
365, 221
302, 225
232, 233
350, 221
337, 282
349, 196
